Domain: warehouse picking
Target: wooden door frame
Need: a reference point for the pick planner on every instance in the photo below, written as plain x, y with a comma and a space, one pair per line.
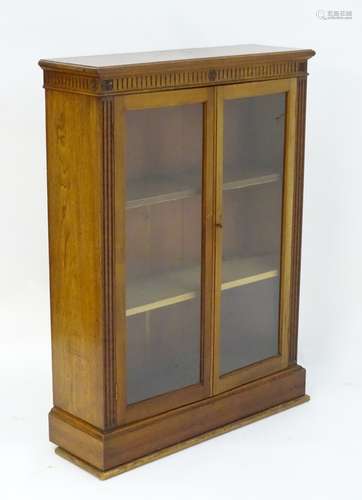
164, 402
280, 362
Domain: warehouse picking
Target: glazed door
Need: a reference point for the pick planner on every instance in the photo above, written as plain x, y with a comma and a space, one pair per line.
255, 179
164, 190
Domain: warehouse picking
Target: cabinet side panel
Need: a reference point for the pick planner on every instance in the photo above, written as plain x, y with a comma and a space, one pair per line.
75, 228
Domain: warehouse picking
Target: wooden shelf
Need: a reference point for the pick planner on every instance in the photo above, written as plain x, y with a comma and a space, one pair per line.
156, 190
178, 286
239, 272
250, 181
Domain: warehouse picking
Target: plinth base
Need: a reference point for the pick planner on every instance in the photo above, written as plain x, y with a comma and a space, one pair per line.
179, 446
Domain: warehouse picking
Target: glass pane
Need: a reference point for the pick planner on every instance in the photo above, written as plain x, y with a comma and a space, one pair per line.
252, 205
163, 250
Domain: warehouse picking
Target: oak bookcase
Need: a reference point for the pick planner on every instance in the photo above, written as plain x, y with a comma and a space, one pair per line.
175, 185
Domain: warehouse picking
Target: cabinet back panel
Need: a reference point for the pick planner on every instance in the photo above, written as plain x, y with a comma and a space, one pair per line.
163, 350
249, 322
254, 135
252, 221
160, 238
163, 142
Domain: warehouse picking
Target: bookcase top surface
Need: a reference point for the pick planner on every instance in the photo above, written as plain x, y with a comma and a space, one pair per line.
115, 61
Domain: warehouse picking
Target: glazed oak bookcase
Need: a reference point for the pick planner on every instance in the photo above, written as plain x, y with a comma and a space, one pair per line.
175, 186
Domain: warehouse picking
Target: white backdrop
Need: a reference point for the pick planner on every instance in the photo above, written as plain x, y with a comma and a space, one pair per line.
313, 451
